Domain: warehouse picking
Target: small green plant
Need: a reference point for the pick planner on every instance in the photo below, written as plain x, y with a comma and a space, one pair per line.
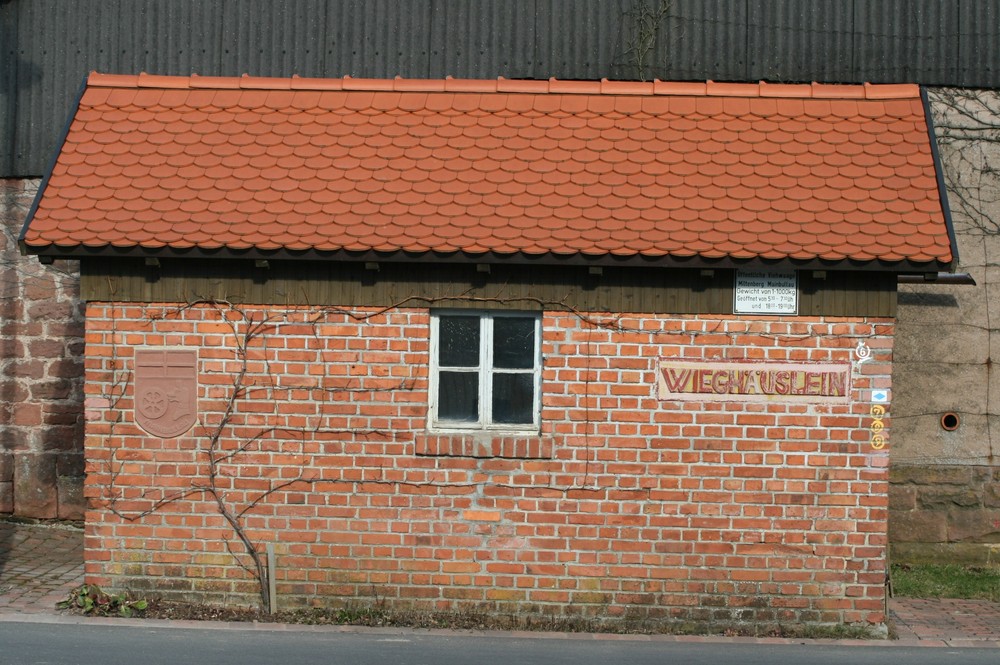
91, 599
946, 581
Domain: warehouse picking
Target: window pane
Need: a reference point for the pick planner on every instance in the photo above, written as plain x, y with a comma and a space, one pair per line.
458, 345
513, 342
513, 398
458, 396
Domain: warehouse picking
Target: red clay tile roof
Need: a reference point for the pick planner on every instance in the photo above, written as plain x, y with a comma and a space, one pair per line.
526, 168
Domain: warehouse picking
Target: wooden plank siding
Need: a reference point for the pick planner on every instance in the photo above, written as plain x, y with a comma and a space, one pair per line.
510, 286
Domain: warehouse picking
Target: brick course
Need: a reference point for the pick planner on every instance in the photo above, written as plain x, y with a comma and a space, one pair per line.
41, 383
623, 506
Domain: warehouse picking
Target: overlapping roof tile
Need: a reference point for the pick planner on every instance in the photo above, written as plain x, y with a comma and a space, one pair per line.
656, 170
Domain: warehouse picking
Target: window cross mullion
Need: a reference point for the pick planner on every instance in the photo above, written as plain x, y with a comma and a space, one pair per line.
486, 369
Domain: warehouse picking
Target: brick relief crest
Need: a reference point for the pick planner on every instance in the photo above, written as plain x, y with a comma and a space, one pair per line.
166, 391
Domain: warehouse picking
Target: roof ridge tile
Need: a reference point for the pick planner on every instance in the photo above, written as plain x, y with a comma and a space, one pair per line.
196, 81
716, 89
97, 79
891, 90
694, 88
368, 85
248, 82
609, 87
837, 91
144, 80
785, 89
400, 84
522, 85
452, 84
815, 90
574, 87
308, 83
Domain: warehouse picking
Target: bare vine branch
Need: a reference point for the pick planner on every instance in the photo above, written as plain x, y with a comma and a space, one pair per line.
967, 127
247, 331
229, 438
644, 24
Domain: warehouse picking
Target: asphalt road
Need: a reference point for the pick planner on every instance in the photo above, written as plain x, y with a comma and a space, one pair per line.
70, 644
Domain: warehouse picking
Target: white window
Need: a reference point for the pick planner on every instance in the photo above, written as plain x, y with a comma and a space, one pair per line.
485, 370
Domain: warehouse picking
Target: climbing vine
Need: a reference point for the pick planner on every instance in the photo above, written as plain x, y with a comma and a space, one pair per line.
644, 25
226, 437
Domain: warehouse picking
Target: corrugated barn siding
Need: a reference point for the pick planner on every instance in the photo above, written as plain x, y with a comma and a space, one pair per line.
794, 36
374, 38
575, 45
907, 41
703, 39
486, 35
48, 46
8, 72
978, 44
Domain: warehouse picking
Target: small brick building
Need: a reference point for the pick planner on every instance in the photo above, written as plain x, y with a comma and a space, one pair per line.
614, 349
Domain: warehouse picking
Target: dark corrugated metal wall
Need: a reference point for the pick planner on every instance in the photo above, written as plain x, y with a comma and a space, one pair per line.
8, 72
922, 41
791, 35
703, 39
48, 46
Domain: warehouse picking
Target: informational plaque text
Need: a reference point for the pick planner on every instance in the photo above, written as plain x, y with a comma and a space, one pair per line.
765, 293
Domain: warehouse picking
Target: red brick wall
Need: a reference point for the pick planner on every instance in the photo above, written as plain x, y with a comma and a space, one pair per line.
623, 506
41, 374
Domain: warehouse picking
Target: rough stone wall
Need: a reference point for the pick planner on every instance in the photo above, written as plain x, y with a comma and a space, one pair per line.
946, 404
623, 507
945, 513
41, 382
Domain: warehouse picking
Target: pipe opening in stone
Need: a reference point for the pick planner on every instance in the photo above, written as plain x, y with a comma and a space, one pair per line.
949, 421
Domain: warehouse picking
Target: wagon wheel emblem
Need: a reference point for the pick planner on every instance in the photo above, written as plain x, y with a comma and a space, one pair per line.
153, 403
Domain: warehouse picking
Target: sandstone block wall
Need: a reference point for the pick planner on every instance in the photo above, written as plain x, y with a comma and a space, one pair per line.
41, 382
622, 506
945, 514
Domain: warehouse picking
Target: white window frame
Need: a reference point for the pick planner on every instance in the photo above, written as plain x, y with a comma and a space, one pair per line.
485, 372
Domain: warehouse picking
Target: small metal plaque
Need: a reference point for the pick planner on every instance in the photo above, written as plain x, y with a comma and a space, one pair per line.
166, 391
765, 293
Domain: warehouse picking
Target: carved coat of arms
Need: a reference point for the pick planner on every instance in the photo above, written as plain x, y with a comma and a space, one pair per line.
166, 391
